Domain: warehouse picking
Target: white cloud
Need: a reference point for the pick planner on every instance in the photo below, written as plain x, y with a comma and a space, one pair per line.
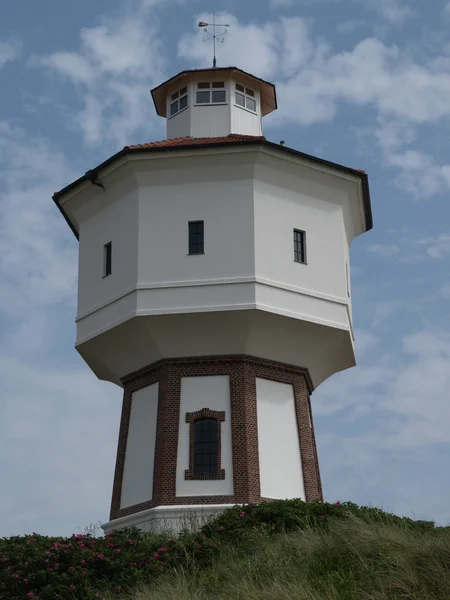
9, 51
408, 399
394, 11
116, 65
384, 250
278, 48
348, 26
42, 267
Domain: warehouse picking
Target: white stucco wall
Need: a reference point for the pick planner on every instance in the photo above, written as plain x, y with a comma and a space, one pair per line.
137, 483
250, 201
198, 393
280, 210
280, 464
218, 192
111, 217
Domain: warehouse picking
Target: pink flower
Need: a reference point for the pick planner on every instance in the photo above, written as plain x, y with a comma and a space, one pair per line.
322, 516
197, 545
30, 595
83, 562
100, 556
70, 569
242, 514
338, 503
117, 550
70, 588
162, 549
83, 574
25, 580
156, 556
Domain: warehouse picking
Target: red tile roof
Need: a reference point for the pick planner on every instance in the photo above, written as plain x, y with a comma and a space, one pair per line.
191, 141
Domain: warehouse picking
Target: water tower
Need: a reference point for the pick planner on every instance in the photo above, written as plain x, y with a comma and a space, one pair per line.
214, 288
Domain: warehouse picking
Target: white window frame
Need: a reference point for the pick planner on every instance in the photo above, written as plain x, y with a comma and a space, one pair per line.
247, 94
211, 89
177, 97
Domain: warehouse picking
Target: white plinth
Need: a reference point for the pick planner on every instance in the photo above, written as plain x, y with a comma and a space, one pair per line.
168, 518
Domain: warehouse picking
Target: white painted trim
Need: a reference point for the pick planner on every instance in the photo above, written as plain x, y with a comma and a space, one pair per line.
214, 308
216, 150
211, 282
161, 512
172, 311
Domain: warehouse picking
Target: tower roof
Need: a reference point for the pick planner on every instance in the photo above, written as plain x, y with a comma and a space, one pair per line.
267, 90
230, 140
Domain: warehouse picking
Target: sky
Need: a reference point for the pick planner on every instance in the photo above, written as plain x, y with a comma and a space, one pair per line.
364, 83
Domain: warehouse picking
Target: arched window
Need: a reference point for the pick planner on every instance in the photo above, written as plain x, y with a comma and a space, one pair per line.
205, 448
205, 444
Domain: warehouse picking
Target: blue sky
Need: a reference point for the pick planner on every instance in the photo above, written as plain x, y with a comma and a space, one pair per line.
365, 83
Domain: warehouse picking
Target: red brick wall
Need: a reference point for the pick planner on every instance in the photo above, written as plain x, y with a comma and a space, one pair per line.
242, 371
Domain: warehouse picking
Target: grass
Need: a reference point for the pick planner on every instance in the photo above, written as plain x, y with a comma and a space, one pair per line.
278, 550
368, 557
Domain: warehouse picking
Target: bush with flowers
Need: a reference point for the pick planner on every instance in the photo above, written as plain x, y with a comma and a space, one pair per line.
84, 566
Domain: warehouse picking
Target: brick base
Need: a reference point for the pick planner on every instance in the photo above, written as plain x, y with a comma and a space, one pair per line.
242, 371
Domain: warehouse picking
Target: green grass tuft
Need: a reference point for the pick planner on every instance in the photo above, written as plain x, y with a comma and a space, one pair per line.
278, 550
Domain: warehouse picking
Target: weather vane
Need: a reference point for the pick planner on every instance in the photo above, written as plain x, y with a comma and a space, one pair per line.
214, 35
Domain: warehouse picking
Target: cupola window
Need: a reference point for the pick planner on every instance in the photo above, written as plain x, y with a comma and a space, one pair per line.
179, 101
245, 97
211, 93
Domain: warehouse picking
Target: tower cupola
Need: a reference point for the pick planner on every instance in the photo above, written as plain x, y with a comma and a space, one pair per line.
217, 102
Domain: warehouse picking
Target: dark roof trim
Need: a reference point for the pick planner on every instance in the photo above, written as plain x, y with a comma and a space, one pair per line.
187, 71
125, 151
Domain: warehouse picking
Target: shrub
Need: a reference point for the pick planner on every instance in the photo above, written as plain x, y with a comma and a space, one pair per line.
86, 567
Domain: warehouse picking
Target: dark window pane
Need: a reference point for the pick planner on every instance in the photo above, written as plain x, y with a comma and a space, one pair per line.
175, 95
218, 96
196, 244
299, 246
183, 102
203, 86
251, 104
205, 451
203, 97
174, 108
183, 91
240, 87
218, 84
250, 92
240, 99
108, 258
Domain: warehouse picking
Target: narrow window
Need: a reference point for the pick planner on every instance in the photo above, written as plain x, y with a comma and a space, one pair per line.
196, 237
107, 254
205, 448
299, 246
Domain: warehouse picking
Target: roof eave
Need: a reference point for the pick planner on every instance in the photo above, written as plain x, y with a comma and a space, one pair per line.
256, 142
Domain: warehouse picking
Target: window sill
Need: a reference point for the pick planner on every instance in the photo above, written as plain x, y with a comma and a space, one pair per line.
252, 112
176, 114
195, 254
212, 104
105, 276
299, 262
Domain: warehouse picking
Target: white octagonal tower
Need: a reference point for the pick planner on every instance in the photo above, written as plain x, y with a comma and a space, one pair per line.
214, 288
